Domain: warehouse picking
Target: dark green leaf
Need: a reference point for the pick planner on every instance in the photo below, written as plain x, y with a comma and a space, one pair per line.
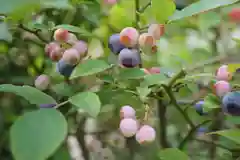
232, 134
37, 134
89, 67
87, 101
154, 79
31, 94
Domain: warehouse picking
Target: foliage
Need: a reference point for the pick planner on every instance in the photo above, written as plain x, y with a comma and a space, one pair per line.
190, 55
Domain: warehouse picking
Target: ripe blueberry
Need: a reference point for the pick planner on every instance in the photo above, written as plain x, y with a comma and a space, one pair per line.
47, 105
129, 58
64, 68
199, 108
114, 43
231, 103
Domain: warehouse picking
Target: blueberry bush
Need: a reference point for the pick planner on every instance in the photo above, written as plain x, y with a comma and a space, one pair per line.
120, 79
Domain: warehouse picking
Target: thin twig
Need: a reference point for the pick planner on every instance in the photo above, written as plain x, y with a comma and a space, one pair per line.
145, 7
35, 32
137, 16
190, 134
178, 107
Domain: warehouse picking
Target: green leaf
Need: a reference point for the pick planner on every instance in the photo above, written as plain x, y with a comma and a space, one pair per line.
33, 95
172, 153
209, 20
87, 101
231, 134
90, 67
162, 9
74, 29
131, 73
63, 89
37, 134
211, 102
199, 7
143, 92
154, 79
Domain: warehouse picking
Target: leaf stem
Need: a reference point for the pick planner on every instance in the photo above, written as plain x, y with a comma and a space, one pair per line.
137, 11
145, 7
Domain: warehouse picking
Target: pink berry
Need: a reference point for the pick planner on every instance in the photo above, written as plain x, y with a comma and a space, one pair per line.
146, 41
71, 56
129, 37
81, 47
154, 70
222, 87
223, 74
61, 35
42, 82
127, 112
145, 134
128, 127
56, 54
110, 2
156, 30
50, 47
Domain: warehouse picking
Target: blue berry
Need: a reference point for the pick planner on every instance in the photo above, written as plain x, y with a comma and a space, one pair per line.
201, 131
129, 58
231, 103
114, 44
47, 105
65, 69
199, 108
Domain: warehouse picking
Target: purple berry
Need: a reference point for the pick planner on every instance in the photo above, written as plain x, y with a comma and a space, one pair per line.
71, 56
64, 69
47, 105
42, 82
81, 47
231, 103
128, 127
201, 131
129, 58
114, 44
199, 108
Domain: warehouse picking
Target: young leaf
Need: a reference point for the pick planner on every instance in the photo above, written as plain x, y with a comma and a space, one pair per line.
87, 101
37, 134
33, 95
163, 9
154, 79
231, 134
211, 102
199, 7
172, 153
90, 67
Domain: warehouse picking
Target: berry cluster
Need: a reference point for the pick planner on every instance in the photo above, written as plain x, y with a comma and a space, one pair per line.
129, 126
129, 42
222, 88
66, 58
